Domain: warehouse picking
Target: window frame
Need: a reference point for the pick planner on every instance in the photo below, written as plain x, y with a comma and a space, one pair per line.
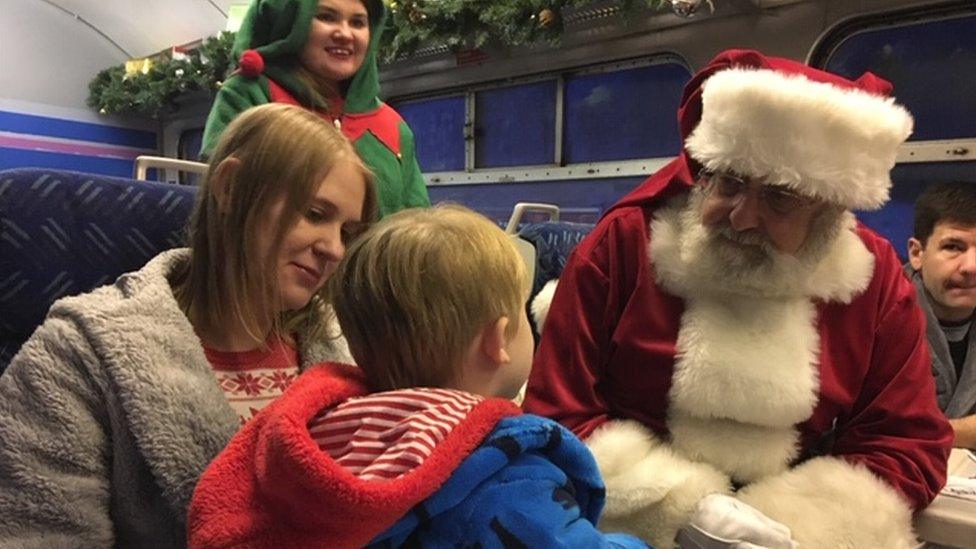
557, 170
832, 39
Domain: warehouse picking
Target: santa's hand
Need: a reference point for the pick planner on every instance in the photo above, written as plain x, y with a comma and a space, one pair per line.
723, 521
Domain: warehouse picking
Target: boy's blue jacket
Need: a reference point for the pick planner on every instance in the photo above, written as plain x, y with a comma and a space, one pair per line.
499, 479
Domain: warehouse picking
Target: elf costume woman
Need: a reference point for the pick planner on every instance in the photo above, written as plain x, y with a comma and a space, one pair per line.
321, 55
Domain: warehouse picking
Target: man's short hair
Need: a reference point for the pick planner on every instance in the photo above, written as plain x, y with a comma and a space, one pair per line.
953, 201
414, 291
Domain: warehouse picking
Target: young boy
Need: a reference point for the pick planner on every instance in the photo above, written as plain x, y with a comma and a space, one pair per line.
418, 446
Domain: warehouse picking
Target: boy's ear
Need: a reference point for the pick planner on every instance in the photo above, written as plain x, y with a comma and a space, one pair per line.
494, 343
915, 250
221, 184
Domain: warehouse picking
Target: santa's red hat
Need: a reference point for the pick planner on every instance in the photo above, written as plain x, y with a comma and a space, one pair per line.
789, 124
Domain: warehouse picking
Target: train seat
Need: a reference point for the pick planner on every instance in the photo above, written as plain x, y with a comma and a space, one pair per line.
553, 242
545, 246
64, 233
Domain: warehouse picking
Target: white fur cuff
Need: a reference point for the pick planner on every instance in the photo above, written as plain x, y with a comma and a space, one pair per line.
828, 502
541, 302
651, 491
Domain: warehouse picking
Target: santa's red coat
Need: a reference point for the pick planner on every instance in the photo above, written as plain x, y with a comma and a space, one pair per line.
608, 347
607, 352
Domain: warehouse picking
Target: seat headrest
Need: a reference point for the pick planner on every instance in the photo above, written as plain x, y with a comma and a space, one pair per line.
65, 233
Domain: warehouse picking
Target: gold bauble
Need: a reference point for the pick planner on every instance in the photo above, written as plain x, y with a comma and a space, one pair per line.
546, 18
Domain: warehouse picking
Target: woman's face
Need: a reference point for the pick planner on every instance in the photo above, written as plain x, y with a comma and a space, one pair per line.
310, 250
337, 40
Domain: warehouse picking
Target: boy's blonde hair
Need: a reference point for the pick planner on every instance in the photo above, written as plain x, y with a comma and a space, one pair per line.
284, 152
415, 290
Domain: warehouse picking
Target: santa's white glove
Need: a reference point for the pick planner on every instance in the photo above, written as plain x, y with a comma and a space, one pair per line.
723, 522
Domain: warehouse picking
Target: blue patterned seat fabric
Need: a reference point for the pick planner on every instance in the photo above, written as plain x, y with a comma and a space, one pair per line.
553, 241
64, 233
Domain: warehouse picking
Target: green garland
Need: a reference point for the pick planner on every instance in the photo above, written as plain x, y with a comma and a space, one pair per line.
460, 24
456, 24
156, 91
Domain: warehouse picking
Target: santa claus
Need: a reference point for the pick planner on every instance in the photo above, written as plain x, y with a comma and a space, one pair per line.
729, 330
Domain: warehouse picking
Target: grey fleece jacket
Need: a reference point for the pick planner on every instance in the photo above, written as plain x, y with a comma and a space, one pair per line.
109, 414
956, 394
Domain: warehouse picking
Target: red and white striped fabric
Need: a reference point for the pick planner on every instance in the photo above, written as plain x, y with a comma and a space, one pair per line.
385, 435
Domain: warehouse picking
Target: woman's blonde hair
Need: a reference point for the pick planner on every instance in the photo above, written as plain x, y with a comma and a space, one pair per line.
284, 152
414, 291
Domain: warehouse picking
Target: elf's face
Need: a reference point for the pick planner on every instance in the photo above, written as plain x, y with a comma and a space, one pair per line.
337, 40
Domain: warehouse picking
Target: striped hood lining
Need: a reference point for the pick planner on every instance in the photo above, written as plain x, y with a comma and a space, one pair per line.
385, 435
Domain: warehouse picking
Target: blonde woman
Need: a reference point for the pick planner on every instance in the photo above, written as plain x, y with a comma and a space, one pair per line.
113, 408
321, 55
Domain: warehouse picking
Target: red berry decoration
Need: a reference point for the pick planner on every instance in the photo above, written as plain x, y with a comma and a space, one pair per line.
251, 64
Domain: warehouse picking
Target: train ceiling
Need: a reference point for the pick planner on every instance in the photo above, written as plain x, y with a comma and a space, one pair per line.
137, 28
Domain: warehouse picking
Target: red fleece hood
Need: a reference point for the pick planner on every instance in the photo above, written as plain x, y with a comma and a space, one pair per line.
273, 487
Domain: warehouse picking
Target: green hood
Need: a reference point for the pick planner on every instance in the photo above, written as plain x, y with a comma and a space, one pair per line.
278, 29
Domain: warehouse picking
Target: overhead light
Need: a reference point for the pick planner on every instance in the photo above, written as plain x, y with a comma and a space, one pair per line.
235, 16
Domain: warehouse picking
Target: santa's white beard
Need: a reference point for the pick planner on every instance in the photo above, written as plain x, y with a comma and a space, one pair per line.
746, 354
721, 260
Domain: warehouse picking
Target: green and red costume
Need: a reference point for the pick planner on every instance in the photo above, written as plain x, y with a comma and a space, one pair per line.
268, 45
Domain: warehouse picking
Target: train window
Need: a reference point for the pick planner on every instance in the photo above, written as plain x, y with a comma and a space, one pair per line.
929, 55
895, 221
438, 129
931, 64
189, 145
550, 135
516, 125
189, 149
624, 114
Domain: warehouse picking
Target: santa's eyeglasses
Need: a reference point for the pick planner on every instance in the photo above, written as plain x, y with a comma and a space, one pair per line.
732, 187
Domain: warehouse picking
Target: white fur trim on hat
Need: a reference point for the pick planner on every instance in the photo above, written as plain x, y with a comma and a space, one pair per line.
830, 502
816, 138
651, 490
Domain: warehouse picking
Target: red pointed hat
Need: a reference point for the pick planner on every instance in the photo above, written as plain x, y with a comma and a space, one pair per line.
789, 124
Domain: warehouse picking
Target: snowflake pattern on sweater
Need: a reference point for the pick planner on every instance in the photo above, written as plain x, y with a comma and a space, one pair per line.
253, 379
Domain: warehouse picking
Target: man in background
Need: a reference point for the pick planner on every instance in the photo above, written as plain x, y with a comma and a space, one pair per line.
942, 264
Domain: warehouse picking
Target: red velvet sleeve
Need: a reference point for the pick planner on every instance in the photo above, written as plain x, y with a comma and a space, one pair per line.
577, 341
896, 428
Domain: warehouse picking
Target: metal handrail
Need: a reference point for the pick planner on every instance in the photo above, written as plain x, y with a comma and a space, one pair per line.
522, 207
144, 162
